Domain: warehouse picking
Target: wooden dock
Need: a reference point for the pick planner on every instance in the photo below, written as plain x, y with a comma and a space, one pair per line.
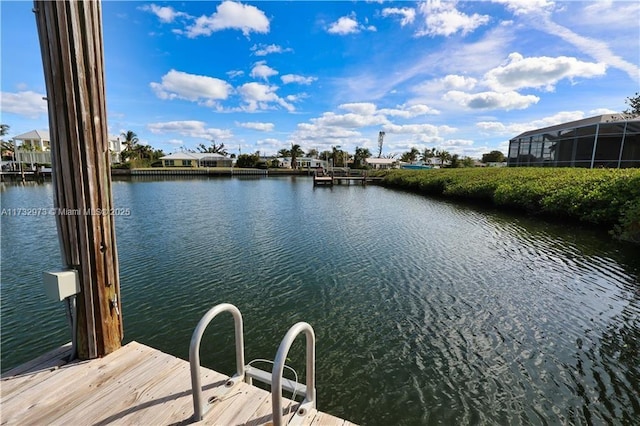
347, 177
135, 385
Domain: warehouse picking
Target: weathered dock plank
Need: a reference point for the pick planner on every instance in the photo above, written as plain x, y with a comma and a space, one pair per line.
133, 385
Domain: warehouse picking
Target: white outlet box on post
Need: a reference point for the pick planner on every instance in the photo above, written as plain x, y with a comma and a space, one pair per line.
59, 285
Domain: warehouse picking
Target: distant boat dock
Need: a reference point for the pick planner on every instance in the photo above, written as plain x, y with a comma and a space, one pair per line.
343, 176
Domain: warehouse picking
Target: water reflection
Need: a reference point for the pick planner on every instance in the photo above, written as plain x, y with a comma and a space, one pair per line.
426, 311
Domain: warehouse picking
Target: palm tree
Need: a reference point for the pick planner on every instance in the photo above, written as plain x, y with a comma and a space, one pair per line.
296, 152
360, 156
312, 153
443, 156
325, 155
284, 152
5, 146
142, 151
213, 149
410, 156
334, 155
130, 139
428, 154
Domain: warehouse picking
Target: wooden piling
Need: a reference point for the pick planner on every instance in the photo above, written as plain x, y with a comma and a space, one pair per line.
70, 34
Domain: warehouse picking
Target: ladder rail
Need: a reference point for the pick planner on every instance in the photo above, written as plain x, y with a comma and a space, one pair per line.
199, 407
278, 370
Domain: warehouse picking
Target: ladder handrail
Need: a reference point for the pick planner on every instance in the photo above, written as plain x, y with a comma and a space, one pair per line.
278, 369
194, 352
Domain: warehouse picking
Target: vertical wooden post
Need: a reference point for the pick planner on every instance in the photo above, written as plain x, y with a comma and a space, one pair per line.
70, 35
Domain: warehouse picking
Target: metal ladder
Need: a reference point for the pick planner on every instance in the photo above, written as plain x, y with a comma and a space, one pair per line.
247, 373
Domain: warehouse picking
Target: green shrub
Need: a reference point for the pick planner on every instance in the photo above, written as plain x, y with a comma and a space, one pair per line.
607, 197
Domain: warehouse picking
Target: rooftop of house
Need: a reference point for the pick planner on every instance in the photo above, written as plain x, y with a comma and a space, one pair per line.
194, 156
381, 160
34, 134
589, 121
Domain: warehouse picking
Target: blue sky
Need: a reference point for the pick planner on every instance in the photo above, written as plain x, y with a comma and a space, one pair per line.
258, 76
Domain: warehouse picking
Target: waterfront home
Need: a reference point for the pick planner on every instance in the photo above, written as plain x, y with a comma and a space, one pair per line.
115, 149
35, 140
196, 159
608, 140
302, 163
35, 148
382, 163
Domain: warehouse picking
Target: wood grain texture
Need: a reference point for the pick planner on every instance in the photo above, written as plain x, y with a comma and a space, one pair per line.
70, 36
136, 385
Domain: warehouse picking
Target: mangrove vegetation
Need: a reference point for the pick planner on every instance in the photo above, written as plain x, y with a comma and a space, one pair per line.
608, 198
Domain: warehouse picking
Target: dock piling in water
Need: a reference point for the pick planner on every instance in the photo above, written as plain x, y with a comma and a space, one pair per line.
70, 36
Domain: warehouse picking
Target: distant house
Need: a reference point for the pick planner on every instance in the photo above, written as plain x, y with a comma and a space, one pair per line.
609, 140
195, 159
35, 140
382, 163
302, 163
33, 148
115, 148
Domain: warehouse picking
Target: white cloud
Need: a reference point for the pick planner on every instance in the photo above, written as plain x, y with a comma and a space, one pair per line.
514, 129
539, 15
296, 98
332, 128
343, 26
413, 134
491, 100
191, 128
263, 127
176, 142
27, 103
264, 49
443, 19
230, 15
203, 89
416, 129
408, 14
261, 97
539, 72
293, 78
446, 83
339, 129
166, 14
524, 7
492, 127
456, 143
348, 25
235, 73
404, 111
270, 143
602, 111
262, 70
349, 120
409, 111
324, 135
597, 49
458, 82
361, 108
614, 15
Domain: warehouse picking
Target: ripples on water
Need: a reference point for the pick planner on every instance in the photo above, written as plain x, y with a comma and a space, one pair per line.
425, 312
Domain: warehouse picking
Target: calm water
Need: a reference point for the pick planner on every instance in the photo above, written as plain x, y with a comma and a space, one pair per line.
425, 312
